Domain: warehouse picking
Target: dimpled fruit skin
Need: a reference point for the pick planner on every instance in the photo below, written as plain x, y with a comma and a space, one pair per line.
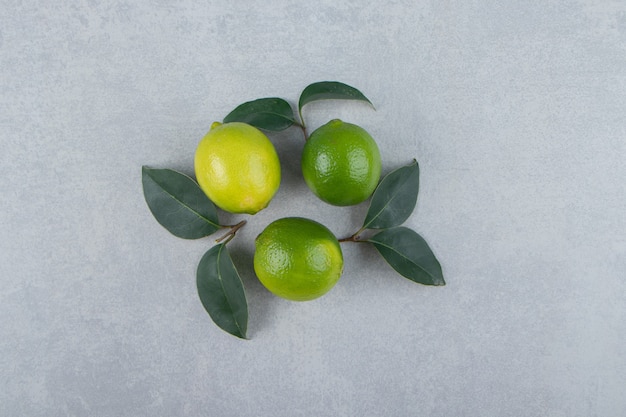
237, 167
297, 259
341, 163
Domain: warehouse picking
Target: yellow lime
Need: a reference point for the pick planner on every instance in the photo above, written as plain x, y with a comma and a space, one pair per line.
237, 167
297, 259
341, 163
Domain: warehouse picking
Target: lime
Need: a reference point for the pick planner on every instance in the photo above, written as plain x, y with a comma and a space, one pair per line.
237, 167
341, 163
297, 259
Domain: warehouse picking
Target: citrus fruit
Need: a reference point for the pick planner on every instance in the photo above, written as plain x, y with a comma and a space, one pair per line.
237, 167
341, 163
297, 259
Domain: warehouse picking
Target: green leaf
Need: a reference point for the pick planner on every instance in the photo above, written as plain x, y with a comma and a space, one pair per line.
221, 291
409, 254
270, 113
394, 198
178, 203
326, 90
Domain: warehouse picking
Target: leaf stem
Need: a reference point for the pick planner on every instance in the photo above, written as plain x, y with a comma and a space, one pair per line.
301, 118
354, 238
301, 125
231, 233
303, 132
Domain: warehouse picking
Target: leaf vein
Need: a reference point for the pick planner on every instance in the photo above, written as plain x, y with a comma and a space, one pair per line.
387, 203
403, 256
219, 277
185, 205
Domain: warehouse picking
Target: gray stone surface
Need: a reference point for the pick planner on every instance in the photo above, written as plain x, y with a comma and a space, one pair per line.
515, 111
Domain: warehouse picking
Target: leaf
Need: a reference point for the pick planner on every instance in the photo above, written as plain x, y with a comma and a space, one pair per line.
178, 203
221, 291
326, 90
270, 113
394, 198
409, 254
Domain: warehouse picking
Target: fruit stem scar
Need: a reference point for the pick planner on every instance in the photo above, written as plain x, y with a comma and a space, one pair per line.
231, 233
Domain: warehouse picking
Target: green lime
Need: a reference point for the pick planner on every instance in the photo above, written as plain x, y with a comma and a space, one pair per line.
297, 259
237, 167
341, 163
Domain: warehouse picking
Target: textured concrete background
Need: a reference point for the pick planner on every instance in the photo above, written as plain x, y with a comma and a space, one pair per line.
515, 111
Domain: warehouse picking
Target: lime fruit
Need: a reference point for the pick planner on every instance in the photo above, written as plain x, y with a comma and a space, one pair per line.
297, 259
341, 163
237, 167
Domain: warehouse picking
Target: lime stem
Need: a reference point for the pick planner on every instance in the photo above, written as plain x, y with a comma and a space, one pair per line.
231, 233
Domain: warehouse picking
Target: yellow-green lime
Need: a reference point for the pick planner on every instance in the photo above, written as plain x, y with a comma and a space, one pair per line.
237, 167
297, 259
341, 163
